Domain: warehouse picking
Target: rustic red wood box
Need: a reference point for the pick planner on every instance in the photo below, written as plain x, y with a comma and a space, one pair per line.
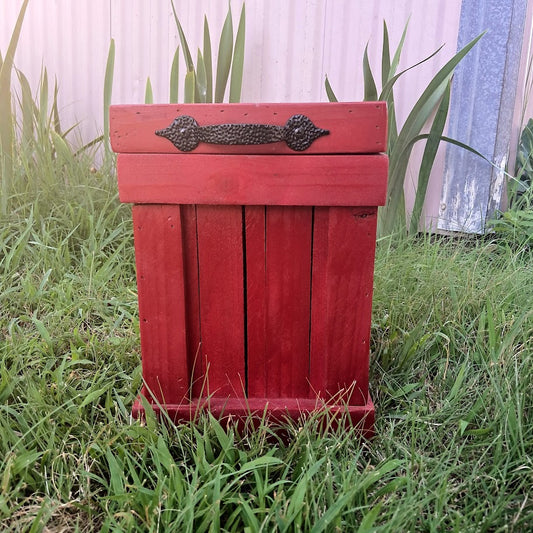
254, 262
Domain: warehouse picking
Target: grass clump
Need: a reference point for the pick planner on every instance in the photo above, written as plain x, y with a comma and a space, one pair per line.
452, 360
451, 376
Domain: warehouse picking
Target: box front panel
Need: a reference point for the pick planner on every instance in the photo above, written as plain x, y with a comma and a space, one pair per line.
278, 278
221, 299
341, 305
160, 283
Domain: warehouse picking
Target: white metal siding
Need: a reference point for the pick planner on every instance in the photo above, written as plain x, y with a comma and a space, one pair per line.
290, 46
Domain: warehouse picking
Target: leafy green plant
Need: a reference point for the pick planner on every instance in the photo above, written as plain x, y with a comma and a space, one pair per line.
400, 143
199, 86
31, 134
515, 224
108, 91
6, 123
523, 182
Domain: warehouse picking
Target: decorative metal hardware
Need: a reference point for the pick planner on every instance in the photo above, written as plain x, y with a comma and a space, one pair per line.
185, 134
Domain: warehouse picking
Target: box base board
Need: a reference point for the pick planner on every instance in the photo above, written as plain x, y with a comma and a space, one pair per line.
241, 411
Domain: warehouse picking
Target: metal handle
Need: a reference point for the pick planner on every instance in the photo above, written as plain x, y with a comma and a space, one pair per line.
185, 133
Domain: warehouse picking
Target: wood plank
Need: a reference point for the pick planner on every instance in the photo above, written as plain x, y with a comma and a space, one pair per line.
279, 303
355, 127
159, 262
256, 298
220, 261
341, 180
192, 298
238, 411
341, 305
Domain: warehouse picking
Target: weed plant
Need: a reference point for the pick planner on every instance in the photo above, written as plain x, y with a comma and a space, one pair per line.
451, 376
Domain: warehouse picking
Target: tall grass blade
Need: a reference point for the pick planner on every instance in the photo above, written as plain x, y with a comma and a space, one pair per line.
6, 122
428, 158
393, 215
208, 62
387, 87
174, 77
385, 56
392, 129
190, 86
108, 91
225, 50
148, 93
238, 60
61, 147
371, 93
201, 78
329, 92
184, 45
55, 109
398, 52
27, 106
367, 524
43, 102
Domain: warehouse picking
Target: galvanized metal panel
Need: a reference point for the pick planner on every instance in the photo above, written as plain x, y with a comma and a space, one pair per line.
472, 187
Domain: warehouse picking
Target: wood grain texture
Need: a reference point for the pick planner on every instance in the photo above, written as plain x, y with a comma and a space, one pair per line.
160, 282
278, 278
340, 180
242, 411
255, 272
221, 299
355, 127
341, 305
256, 298
196, 362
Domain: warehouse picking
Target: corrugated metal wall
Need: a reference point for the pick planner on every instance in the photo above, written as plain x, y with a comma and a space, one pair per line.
290, 47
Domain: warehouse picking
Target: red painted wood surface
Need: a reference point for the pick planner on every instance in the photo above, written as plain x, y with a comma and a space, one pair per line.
253, 180
160, 282
341, 305
196, 362
221, 293
255, 271
240, 410
355, 127
256, 296
278, 277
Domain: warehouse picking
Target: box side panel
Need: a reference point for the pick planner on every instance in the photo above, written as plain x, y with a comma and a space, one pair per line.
160, 282
221, 299
278, 298
343, 269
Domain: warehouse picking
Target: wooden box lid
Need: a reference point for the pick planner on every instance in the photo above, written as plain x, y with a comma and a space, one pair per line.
354, 127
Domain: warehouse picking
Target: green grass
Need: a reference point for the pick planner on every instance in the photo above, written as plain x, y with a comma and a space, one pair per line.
452, 346
451, 376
